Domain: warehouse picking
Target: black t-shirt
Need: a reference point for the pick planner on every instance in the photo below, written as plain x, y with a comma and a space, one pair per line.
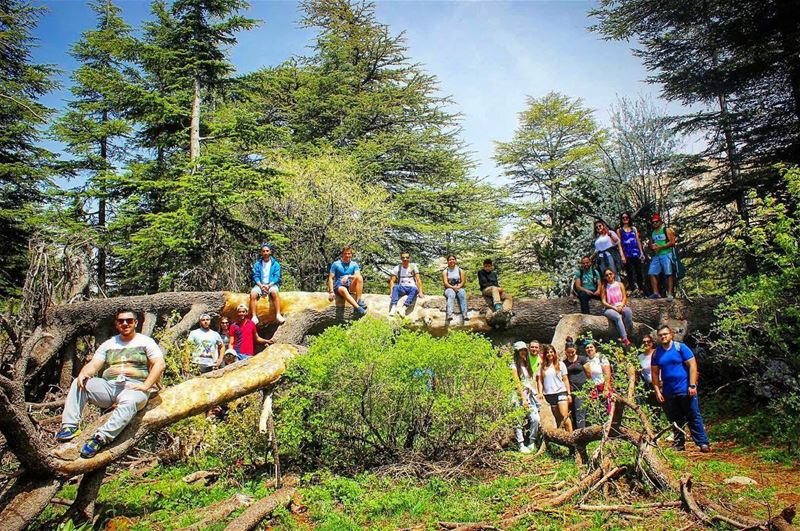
486, 279
575, 372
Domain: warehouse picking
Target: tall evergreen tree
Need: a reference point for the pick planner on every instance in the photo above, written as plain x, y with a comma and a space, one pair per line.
24, 165
95, 127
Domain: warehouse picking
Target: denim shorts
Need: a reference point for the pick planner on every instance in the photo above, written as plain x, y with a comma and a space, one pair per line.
660, 263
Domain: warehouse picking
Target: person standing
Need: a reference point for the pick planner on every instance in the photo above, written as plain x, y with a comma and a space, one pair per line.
587, 283
576, 375
345, 280
454, 278
662, 244
632, 251
266, 277
526, 378
598, 370
132, 365
607, 247
207, 346
646, 372
675, 375
244, 335
615, 300
555, 387
405, 281
490, 287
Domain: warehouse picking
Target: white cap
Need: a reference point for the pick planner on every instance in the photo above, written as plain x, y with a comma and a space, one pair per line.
519, 345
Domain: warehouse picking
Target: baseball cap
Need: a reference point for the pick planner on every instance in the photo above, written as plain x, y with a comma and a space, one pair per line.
519, 345
655, 217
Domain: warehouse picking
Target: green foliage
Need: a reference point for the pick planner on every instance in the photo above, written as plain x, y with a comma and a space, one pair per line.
24, 164
757, 334
369, 395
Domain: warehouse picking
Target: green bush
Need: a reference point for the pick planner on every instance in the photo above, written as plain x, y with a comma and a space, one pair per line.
757, 335
371, 394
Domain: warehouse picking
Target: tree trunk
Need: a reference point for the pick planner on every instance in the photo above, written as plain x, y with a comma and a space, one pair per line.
194, 130
25, 499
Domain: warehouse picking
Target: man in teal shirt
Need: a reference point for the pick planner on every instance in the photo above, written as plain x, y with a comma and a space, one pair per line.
587, 283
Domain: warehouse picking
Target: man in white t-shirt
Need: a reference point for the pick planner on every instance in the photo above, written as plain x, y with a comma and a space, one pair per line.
132, 364
207, 346
405, 282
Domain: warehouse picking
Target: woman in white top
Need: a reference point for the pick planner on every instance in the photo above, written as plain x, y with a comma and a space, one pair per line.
607, 247
527, 383
615, 299
646, 372
555, 386
454, 278
598, 370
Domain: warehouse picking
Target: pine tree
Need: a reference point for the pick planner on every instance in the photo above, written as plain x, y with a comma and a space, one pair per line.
24, 165
95, 128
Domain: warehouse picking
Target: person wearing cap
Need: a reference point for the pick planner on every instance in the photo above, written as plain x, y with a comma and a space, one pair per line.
207, 346
244, 335
266, 277
405, 281
662, 244
526, 377
490, 287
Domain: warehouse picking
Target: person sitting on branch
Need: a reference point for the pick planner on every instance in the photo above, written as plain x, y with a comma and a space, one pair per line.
131, 365
490, 288
266, 277
405, 281
345, 280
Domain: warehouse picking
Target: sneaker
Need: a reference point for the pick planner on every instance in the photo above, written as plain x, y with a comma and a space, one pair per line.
705, 448
464, 318
361, 303
448, 318
67, 433
280, 319
92, 446
524, 449
254, 319
532, 447
360, 311
498, 307
392, 309
654, 296
670, 297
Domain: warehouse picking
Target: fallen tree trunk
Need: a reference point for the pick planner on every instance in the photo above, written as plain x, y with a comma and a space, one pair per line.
263, 508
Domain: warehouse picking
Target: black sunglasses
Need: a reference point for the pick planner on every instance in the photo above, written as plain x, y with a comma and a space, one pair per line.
127, 320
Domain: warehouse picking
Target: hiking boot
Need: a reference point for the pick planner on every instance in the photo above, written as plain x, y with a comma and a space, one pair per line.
67, 433
705, 448
92, 446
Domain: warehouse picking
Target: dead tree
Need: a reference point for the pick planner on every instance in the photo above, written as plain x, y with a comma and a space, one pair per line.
48, 355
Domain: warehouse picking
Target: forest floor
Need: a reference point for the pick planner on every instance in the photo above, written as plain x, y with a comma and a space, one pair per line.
161, 500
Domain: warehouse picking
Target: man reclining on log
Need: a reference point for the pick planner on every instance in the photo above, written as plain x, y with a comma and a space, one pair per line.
345, 280
132, 364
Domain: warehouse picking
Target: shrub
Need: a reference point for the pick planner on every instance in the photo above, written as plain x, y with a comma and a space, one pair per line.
370, 394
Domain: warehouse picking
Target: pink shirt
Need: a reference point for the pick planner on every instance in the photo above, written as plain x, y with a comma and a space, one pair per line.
614, 294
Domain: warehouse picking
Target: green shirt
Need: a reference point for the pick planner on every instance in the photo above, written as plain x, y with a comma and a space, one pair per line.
660, 239
589, 279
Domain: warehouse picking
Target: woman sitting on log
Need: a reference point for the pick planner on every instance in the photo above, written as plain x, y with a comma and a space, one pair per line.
555, 386
615, 300
598, 370
526, 377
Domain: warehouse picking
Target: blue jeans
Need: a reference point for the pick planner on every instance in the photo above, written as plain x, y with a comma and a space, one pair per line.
622, 321
401, 291
681, 409
451, 296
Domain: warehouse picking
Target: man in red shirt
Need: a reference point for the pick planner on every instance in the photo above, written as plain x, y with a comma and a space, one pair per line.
244, 334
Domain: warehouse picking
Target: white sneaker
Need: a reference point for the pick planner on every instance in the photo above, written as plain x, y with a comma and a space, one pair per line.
524, 449
254, 319
392, 309
280, 319
670, 297
532, 447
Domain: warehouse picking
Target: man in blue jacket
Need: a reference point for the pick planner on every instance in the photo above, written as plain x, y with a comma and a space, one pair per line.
267, 278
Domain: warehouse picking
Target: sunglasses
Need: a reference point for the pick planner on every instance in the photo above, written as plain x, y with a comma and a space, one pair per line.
609, 274
129, 320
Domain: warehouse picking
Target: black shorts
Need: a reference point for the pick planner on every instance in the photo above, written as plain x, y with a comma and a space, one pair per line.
555, 398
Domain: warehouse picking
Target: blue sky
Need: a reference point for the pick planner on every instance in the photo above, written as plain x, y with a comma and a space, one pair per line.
487, 55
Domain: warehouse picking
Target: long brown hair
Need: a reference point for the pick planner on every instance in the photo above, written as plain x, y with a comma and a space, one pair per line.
546, 348
518, 361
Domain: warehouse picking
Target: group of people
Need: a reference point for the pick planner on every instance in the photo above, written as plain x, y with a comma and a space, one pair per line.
598, 277
543, 378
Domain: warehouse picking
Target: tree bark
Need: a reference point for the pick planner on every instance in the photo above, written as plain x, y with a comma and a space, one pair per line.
254, 514
25, 499
194, 128
82, 509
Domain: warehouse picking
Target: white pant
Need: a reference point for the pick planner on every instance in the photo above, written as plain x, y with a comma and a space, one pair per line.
104, 394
